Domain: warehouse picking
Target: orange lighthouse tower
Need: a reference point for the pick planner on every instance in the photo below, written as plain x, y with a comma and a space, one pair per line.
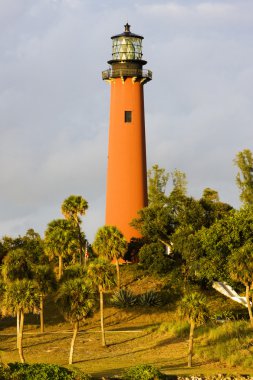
126, 172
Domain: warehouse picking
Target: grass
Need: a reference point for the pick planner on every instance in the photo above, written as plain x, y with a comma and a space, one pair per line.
150, 335
232, 342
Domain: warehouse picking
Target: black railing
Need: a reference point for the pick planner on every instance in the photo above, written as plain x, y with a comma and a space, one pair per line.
118, 73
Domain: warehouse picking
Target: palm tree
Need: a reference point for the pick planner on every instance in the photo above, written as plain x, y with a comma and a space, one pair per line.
102, 274
16, 266
110, 243
72, 208
76, 300
20, 297
59, 240
193, 307
240, 266
44, 277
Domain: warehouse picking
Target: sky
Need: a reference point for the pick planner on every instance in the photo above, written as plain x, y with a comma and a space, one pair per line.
54, 106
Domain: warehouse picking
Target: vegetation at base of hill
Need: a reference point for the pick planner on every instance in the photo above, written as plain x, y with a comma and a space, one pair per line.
39, 371
143, 372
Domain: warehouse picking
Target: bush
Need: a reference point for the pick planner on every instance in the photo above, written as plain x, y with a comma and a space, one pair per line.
40, 371
149, 299
123, 298
143, 372
4, 373
153, 258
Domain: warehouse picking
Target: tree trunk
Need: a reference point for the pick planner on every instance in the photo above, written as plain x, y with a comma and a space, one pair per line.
75, 331
18, 326
190, 352
102, 317
118, 273
20, 337
41, 313
60, 267
248, 304
80, 242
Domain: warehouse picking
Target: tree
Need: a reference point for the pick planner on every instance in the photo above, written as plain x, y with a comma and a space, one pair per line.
155, 223
240, 266
60, 241
110, 243
213, 208
16, 266
20, 297
220, 241
157, 182
179, 183
72, 208
44, 277
102, 274
210, 195
193, 307
76, 300
244, 179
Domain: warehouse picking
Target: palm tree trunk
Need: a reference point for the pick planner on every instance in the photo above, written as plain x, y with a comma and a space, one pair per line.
75, 331
248, 304
60, 267
18, 326
190, 352
20, 337
80, 242
41, 313
102, 317
118, 273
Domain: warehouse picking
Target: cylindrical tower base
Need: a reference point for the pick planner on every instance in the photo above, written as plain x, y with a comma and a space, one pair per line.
126, 173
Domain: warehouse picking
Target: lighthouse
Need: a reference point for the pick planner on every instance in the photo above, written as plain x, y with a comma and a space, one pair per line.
126, 191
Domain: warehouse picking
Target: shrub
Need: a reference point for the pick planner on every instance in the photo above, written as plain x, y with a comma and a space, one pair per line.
40, 371
225, 315
153, 258
4, 373
123, 298
143, 372
149, 299
72, 271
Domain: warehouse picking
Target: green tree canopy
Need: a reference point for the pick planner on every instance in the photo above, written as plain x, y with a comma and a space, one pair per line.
157, 182
110, 243
193, 308
102, 274
76, 300
244, 178
240, 266
61, 240
20, 297
72, 208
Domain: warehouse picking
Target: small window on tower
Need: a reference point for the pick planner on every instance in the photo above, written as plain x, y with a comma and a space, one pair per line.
128, 116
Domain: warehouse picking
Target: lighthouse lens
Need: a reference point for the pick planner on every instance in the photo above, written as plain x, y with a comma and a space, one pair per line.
124, 48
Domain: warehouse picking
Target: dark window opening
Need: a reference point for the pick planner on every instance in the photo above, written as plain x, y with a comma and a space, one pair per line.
128, 116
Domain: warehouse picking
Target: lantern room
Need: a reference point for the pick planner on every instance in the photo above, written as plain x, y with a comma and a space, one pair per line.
127, 57
126, 46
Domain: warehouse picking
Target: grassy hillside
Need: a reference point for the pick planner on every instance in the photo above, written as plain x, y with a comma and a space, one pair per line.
137, 335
